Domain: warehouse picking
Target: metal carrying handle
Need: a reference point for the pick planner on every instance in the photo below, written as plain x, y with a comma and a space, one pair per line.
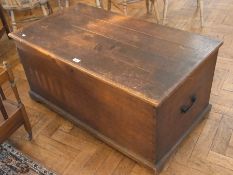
185, 108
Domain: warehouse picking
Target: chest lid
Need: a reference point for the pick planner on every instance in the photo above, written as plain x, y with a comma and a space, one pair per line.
142, 58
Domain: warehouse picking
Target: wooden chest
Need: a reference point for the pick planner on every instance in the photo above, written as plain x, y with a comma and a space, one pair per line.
137, 86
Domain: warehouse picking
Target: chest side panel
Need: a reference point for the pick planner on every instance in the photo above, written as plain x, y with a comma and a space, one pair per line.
184, 106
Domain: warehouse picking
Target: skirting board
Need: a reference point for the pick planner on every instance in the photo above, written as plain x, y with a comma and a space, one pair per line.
156, 167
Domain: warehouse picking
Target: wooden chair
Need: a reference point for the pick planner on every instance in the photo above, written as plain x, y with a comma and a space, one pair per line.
150, 6
13, 114
22, 5
5, 27
200, 5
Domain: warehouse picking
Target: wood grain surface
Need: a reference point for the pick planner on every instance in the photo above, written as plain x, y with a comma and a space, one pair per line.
143, 109
206, 151
148, 65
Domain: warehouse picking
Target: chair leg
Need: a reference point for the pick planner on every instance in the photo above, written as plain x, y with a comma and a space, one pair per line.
201, 5
4, 22
2, 94
109, 5
3, 110
101, 4
50, 8
59, 4
67, 3
156, 12
165, 10
13, 22
27, 124
97, 2
198, 3
151, 5
148, 6
125, 7
44, 10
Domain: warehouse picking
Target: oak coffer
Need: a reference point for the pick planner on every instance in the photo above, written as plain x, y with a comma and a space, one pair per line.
137, 86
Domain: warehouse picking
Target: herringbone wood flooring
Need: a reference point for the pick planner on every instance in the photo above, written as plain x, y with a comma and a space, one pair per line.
208, 150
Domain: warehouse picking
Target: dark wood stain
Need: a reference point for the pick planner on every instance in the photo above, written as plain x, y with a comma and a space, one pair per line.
131, 82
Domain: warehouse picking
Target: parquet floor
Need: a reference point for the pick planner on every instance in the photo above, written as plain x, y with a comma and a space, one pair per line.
208, 150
